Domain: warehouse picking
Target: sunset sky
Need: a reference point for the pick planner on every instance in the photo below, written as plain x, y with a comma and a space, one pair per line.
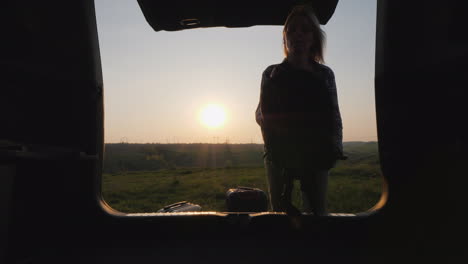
157, 85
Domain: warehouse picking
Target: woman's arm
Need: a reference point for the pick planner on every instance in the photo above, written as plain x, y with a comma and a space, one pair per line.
337, 126
264, 96
268, 108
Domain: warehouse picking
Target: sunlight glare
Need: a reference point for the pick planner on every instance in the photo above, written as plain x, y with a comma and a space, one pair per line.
213, 116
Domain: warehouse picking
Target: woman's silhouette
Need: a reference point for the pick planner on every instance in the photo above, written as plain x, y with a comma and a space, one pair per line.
299, 116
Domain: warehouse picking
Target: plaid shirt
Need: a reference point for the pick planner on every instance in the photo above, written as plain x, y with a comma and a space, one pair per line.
269, 102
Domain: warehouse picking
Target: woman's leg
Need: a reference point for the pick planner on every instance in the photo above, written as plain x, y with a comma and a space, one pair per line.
314, 185
276, 182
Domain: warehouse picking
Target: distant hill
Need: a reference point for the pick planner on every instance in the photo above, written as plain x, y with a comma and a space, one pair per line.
358, 151
120, 157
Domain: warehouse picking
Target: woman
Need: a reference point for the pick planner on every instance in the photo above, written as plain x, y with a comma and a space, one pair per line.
299, 116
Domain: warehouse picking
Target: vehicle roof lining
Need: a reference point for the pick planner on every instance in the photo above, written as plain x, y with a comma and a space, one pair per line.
179, 15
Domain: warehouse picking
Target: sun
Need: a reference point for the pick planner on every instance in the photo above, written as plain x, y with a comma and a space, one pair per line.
213, 116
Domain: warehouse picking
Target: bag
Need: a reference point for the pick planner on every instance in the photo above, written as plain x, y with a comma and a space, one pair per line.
245, 199
180, 207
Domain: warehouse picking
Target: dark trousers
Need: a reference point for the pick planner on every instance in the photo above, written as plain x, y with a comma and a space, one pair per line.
314, 184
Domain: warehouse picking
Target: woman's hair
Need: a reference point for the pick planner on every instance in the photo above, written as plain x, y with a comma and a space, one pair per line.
319, 34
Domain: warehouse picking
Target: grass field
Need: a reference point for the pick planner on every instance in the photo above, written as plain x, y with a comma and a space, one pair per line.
147, 177
148, 191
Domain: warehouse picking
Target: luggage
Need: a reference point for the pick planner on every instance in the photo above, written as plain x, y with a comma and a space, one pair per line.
245, 199
180, 207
